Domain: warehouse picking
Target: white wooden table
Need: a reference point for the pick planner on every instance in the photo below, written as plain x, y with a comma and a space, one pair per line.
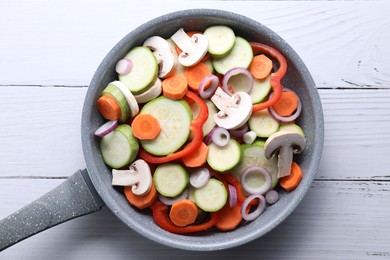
49, 51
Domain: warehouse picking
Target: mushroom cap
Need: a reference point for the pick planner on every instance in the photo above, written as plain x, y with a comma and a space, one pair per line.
286, 144
164, 54
198, 51
234, 110
141, 169
295, 141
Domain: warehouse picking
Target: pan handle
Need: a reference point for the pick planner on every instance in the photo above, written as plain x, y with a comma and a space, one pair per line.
73, 198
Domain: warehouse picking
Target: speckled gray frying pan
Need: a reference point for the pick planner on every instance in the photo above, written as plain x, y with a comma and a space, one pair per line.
88, 190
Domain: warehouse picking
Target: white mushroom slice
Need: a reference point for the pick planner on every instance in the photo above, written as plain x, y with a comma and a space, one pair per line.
193, 48
285, 144
234, 110
131, 101
153, 92
138, 176
164, 54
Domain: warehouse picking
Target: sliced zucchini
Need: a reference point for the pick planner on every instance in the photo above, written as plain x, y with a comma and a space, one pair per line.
254, 155
119, 148
170, 179
211, 197
221, 40
291, 127
114, 92
174, 117
262, 123
144, 71
240, 56
224, 158
210, 123
260, 89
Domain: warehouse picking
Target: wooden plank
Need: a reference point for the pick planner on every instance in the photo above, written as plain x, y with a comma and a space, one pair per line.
344, 43
336, 220
41, 132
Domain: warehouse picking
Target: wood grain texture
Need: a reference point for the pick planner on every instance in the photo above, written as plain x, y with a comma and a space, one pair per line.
41, 132
336, 220
344, 43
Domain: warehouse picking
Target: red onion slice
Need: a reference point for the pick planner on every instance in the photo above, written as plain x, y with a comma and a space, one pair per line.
271, 196
253, 172
239, 132
106, 128
170, 200
211, 89
233, 72
284, 119
257, 212
232, 196
124, 66
220, 137
207, 139
199, 177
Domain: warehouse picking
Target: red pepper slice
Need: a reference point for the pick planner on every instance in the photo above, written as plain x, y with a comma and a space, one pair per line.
197, 135
161, 216
276, 77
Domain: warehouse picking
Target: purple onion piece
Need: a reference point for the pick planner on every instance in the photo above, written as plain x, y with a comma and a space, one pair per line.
232, 196
284, 119
211, 89
199, 177
207, 139
220, 137
272, 196
170, 200
124, 66
233, 72
106, 128
260, 170
257, 212
239, 132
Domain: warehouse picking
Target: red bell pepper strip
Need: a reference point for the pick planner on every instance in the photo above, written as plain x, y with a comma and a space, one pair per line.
276, 77
197, 135
161, 216
227, 178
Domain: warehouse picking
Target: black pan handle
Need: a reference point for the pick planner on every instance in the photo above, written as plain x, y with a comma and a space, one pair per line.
73, 198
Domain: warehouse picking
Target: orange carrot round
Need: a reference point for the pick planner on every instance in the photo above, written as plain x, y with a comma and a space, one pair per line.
287, 103
175, 87
145, 127
197, 158
143, 201
230, 217
291, 181
196, 74
260, 66
109, 108
183, 212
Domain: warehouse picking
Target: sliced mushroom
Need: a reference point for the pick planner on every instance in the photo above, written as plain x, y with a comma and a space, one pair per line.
164, 54
138, 176
285, 144
153, 92
234, 110
193, 48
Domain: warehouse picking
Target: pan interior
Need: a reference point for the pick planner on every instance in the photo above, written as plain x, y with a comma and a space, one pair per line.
297, 78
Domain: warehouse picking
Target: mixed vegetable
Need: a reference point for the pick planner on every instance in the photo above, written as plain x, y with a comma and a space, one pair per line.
200, 129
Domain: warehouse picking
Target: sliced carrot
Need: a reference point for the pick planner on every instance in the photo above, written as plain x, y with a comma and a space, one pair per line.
175, 87
197, 158
261, 66
195, 74
145, 127
287, 103
230, 217
109, 108
143, 201
291, 181
183, 212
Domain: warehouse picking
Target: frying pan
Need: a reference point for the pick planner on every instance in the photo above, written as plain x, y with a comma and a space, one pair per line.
87, 190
